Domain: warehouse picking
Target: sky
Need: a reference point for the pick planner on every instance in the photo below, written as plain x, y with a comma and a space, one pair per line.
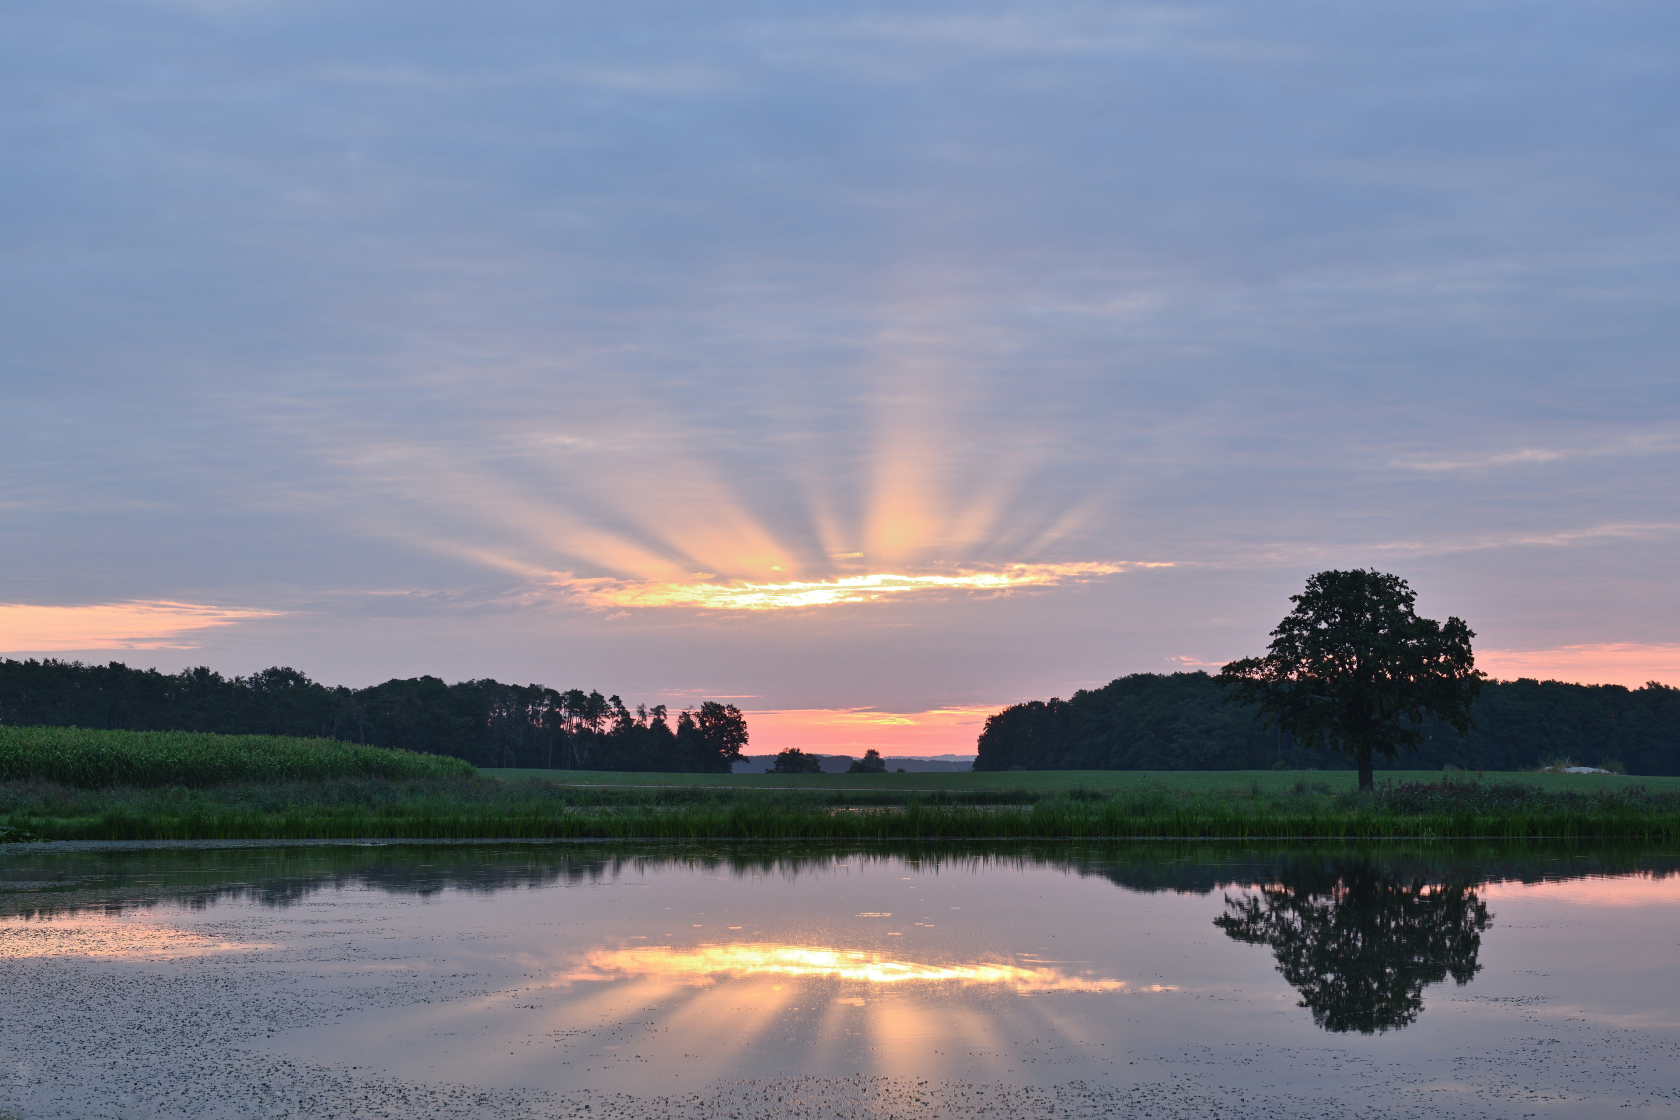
868, 366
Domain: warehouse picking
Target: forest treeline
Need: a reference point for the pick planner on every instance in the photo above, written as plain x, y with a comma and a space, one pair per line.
1151, 721
485, 722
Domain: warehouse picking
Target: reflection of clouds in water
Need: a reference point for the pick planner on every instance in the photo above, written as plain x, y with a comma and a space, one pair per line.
1597, 890
112, 939
706, 963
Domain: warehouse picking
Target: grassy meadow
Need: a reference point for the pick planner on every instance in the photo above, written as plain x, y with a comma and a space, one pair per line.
1108, 781
70, 784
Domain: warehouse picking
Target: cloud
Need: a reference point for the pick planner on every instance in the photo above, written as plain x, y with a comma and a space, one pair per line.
137, 624
1659, 442
795, 594
1183, 662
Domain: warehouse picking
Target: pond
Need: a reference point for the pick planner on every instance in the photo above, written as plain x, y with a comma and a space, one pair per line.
561, 980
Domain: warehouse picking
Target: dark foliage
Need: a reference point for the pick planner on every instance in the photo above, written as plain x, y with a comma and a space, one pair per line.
1352, 666
870, 763
795, 761
1180, 722
485, 722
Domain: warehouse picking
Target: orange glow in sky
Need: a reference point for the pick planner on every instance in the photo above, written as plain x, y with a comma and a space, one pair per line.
1603, 663
706, 963
855, 730
138, 624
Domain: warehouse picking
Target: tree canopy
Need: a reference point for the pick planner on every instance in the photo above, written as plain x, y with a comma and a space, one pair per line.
870, 763
1178, 721
486, 722
795, 761
1355, 668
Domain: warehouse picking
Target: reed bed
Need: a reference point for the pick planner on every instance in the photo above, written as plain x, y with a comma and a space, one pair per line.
68, 784
450, 811
92, 758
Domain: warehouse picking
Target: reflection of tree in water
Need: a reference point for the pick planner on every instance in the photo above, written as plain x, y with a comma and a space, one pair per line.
1360, 942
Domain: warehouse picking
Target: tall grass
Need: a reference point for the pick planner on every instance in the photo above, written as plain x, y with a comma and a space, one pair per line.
88, 758
761, 818
298, 805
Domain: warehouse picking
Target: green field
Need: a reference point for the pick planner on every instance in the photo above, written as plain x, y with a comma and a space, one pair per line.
1053, 781
70, 784
477, 807
87, 757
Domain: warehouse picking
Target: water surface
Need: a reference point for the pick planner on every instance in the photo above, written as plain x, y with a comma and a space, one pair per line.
559, 980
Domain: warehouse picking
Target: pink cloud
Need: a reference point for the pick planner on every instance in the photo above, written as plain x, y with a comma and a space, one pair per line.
137, 624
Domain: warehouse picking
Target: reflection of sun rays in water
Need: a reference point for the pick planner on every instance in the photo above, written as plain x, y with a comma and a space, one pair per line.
707, 963
899, 1011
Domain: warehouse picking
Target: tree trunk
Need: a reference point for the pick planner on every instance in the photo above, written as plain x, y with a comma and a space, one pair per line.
1364, 756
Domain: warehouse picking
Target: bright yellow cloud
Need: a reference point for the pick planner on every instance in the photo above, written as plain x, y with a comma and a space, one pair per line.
743, 595
137, 624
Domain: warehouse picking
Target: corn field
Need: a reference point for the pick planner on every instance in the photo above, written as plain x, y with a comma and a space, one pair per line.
87, 758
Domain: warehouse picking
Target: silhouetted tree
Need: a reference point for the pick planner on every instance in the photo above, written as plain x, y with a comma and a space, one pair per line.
795, 761
870, 763
724, 729
1150, 721
1355, 667
1360, 943
486, 722
711, 740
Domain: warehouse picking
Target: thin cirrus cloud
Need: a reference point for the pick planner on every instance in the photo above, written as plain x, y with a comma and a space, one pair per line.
1657, 441
98, 626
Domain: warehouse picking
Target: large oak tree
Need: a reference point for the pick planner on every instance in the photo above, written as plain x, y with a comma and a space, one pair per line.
1353, 667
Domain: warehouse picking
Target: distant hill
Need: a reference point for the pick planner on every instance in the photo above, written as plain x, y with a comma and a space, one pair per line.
1151, 721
